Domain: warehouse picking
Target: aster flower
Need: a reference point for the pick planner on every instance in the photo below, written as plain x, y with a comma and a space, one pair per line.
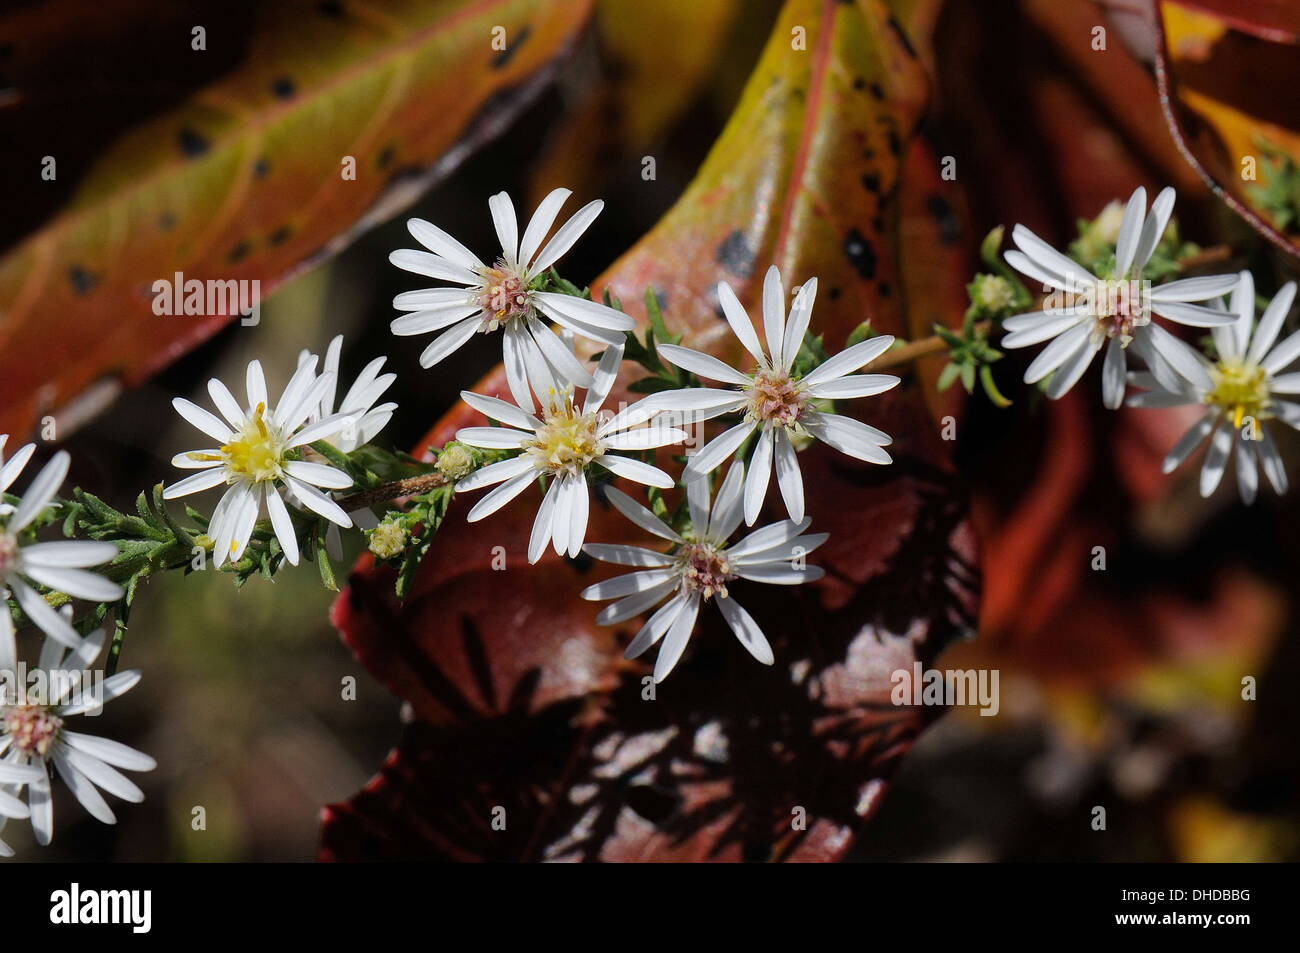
367, 421
59, 565
563, 444
34, 733
12, 778
359, 401
1115, 311
1241, 390
779, 405
506, 294
256, 459
699, 567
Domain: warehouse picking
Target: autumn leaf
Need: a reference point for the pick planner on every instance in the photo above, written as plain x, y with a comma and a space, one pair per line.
333, 117
1228, 80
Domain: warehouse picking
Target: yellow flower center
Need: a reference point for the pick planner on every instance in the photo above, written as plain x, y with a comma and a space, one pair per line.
704, 569
775, 398
33, 728
567, 440
257, 452
1240, 390
504, 294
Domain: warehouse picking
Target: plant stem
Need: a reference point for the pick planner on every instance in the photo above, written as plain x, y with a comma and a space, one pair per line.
913, 351
411, 486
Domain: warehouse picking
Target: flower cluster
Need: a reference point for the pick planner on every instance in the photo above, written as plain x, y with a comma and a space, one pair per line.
1240, 381
296, 471
547, 434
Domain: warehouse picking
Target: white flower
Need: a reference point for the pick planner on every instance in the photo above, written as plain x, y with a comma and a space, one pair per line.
34, 733
9, 470
60, 565
367, 421
699, 567
1240, 391
777, 403
563, 444
254, 460
505, 294
1095, 310
359, 401
12, 778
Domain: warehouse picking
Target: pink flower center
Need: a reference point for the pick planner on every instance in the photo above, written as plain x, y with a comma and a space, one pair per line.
8, 554
775, 398
504, 294
33, 728
704, 569
1121, 306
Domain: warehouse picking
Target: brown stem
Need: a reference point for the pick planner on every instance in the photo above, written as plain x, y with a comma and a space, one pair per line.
913, 351
411, 486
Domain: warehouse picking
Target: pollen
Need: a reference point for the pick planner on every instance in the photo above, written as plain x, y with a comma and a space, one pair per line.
257, 452
567, 441
504, 294
1240, 390
704, 569
777, 399
32, 728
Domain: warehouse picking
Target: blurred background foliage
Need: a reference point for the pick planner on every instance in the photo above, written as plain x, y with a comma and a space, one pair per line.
1119, 688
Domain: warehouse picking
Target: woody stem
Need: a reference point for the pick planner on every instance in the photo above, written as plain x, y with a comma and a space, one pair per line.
411, 486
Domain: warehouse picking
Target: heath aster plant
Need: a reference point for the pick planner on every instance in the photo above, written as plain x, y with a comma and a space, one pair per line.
779, 405
505, 295
60, 565
1086, 311
1240, 390
258, 458
699, 567
563, 444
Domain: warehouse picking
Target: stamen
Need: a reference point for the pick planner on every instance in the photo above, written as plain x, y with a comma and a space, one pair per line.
704, 569
777, 399
1240, 390
567, 441
32, 728
256, 453
504, 294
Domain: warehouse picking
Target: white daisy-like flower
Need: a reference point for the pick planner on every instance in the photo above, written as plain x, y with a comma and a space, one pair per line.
1240, 391
255, 459
12, 778
34, 733
60, 565
563, 444
505, 294
368, 421
778, 404
359, 401
699, 567
1094, 310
